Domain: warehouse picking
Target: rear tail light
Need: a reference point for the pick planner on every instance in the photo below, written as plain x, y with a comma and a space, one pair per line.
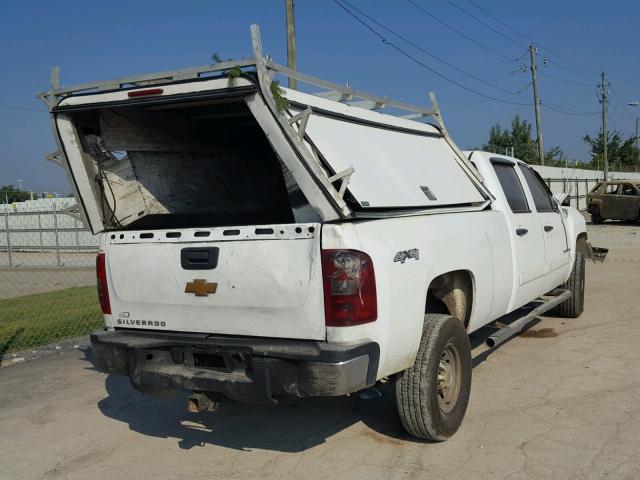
103, 289
349, 288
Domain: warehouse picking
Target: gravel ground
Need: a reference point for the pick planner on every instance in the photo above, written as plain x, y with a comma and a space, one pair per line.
557, 403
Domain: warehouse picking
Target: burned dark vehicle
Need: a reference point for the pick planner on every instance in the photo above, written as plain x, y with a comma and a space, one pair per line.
614, 200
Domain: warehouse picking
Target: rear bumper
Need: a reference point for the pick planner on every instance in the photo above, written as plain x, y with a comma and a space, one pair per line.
247, 369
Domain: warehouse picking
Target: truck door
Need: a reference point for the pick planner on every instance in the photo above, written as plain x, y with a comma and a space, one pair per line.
628, 200
526, 232
609, 200
551, 220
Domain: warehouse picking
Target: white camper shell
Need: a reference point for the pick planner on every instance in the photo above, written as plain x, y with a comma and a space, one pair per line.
214, 150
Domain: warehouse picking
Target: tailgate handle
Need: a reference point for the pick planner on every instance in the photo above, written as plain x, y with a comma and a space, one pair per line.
199, 258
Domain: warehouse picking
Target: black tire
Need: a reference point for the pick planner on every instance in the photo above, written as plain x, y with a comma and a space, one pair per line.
574, 306
422, 405
596, 218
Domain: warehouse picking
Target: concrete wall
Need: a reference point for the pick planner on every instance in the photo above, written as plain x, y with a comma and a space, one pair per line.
573, 173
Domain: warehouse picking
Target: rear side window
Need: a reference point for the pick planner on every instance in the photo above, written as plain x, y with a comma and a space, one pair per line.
611, 189
539, 192
628, 189
511, 187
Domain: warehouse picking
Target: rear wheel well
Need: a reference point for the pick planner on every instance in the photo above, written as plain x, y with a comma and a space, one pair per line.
451, 293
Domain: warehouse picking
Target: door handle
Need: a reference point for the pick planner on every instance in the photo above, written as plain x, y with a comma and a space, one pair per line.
521, 232
548, 228
199, 258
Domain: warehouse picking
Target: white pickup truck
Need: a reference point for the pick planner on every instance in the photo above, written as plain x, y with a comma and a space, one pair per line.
259, 243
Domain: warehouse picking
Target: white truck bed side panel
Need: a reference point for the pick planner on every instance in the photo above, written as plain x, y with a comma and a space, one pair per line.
475, 241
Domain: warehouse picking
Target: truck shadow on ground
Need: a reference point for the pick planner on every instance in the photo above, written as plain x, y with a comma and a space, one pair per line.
285, 428
291, 428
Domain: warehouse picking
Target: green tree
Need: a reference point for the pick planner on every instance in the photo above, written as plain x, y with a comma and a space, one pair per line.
524, 147
499, 140
620, 150
13, 194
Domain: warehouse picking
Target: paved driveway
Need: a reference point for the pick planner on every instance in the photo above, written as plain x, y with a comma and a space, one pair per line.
557, 403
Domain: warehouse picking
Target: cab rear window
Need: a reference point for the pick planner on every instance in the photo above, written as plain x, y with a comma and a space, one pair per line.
511, 187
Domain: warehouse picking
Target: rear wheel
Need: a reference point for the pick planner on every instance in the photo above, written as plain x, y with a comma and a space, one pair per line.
433, 394
574, 305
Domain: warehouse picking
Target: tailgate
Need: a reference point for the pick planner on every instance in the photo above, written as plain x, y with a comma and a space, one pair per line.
258, 281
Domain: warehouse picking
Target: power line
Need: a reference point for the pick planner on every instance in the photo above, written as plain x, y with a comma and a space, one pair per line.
506, 25
556, 108
414, 59
509, 27
418, 47
566, 80
573, 66
466, 105
623, 105
572, 71
492, 117
469, 14
462, 34
559, 109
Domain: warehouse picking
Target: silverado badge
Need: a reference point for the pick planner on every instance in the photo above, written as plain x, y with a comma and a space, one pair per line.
200, 287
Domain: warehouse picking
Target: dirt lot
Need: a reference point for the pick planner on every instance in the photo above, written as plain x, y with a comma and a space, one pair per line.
560, 403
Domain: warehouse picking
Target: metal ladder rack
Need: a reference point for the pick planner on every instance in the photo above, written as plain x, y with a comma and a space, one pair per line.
333, 91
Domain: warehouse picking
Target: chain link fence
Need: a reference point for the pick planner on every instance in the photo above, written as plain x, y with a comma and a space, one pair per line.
47, 273
576, 188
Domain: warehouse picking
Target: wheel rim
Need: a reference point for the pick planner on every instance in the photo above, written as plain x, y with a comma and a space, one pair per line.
449, 378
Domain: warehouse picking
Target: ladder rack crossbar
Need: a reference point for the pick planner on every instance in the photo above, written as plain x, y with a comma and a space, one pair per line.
346, 91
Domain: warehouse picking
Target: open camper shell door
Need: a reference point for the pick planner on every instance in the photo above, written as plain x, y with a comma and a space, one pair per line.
333, 159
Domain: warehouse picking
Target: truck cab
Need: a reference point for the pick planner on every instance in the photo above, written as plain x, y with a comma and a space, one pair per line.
543, 234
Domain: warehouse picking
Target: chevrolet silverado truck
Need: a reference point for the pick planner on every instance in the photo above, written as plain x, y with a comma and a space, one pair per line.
260, 243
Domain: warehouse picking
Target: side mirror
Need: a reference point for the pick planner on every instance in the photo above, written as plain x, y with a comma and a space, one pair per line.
562, 198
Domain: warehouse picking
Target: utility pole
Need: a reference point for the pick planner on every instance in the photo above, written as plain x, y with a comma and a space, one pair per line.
536, 101
637, 104
291, 40
603, 100
637, 145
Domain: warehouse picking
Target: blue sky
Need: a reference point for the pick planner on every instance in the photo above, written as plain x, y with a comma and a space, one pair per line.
102, 40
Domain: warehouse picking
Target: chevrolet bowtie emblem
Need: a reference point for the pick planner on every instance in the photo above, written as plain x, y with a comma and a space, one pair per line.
200, 287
